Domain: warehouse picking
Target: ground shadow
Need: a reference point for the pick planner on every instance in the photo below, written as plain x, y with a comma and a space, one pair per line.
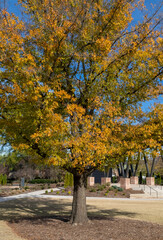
38, 210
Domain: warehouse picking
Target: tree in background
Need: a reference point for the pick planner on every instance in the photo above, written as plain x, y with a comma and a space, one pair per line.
73, 77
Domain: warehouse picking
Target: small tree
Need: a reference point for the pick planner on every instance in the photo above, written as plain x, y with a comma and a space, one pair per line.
68, 182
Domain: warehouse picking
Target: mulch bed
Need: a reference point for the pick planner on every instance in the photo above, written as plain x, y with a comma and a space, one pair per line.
97, 229
95, 191
99, 191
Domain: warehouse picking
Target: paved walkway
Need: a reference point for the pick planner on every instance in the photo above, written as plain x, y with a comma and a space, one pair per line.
34, 194
6, 232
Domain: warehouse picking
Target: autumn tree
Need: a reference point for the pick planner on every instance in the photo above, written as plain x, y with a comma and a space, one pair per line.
150, 138
73, 74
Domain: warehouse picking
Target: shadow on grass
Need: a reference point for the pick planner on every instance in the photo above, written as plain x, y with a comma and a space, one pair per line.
40, 210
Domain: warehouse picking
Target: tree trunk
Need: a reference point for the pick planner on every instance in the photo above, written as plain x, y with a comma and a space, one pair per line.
126, 171
118, 168
136, 168
146, 165
132, 169
79, 211
122, 169
152, 168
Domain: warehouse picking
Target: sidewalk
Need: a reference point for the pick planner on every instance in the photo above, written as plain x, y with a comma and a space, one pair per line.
26, 195
6, 232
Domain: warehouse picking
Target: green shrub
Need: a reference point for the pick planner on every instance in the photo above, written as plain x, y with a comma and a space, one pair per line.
120, 189
44, 181
111, 189
46, 192
101, 188
105, 194
92, 190
58, 192
68, 182
115, 187
69, 192
114, 179
3, 179
51, 190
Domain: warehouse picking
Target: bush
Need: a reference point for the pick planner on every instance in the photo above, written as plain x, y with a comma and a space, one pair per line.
68, 182
46, 192
114, 179
92, 190
3, 179
120, 189
108, 184
101, 188
39, 181
158, 180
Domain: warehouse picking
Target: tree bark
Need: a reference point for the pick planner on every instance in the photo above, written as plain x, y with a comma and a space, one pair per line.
79, 211
152, 168
146, 165
122, 169
118, 168
132, 169
136, 168
126, 171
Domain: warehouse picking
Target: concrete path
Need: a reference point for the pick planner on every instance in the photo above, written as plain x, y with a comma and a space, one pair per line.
6, 232
26, 195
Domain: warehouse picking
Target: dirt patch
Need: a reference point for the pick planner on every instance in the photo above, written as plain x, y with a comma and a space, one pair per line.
98, 228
